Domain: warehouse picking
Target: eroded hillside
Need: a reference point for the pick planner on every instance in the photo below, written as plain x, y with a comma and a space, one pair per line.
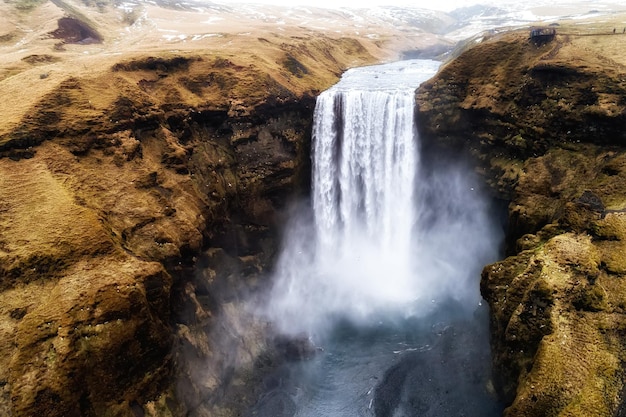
545, 123
136, 150
125, 161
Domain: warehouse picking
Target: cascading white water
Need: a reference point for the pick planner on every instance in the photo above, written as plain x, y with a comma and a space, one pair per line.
365, 161
382, 270
364, 169
373, 248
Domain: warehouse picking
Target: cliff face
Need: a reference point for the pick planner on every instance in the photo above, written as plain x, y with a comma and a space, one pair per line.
545, 125
114, 186
147, 153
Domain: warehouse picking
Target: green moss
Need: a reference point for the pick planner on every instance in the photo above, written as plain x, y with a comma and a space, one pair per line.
612, 227
27, 5
517, 142
613, 256
590, 298
51, 356
542, 292
294, 66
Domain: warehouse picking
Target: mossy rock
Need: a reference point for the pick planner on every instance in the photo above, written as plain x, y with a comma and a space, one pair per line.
590, 298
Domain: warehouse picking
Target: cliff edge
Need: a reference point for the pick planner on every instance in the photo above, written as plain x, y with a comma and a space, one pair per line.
544, 122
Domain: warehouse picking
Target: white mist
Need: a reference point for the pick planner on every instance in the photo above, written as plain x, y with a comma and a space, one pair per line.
387, 238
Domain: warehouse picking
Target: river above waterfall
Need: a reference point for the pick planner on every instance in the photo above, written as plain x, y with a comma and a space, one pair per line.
386, 77
381, 271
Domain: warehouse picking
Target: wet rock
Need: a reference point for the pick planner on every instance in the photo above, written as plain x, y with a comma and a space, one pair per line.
294, 349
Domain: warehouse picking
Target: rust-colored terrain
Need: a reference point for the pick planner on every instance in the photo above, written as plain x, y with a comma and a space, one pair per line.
126, 157
544, 122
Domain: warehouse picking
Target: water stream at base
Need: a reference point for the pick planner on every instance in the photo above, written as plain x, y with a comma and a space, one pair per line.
420, 367
383, 275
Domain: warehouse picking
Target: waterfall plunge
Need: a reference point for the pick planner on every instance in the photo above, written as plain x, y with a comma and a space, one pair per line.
385, 238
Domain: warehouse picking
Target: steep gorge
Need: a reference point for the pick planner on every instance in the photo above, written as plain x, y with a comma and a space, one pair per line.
122, 181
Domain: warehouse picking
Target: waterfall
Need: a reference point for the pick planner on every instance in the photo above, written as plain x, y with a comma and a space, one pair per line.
381, 268
375, 246
365, 160
364, 167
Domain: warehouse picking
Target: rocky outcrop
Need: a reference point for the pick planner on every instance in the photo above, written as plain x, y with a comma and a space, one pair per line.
116, 188
545, 125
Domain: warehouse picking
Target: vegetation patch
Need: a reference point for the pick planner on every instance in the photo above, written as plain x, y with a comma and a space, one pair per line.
7, 37
38, 266
26, 5
164, 65
40, 59
294, 66
590, 299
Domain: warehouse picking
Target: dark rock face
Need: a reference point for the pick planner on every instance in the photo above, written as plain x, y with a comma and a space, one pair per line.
262, 164
516, 100
544, 124
75, 31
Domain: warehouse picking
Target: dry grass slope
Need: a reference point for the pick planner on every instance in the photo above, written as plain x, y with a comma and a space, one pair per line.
119, 161
546, 125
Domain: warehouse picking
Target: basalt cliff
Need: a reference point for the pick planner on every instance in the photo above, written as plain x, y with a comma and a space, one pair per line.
543, 120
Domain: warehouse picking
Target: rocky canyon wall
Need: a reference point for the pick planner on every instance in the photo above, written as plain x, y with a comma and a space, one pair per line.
116, 187
141, 195
544, 124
